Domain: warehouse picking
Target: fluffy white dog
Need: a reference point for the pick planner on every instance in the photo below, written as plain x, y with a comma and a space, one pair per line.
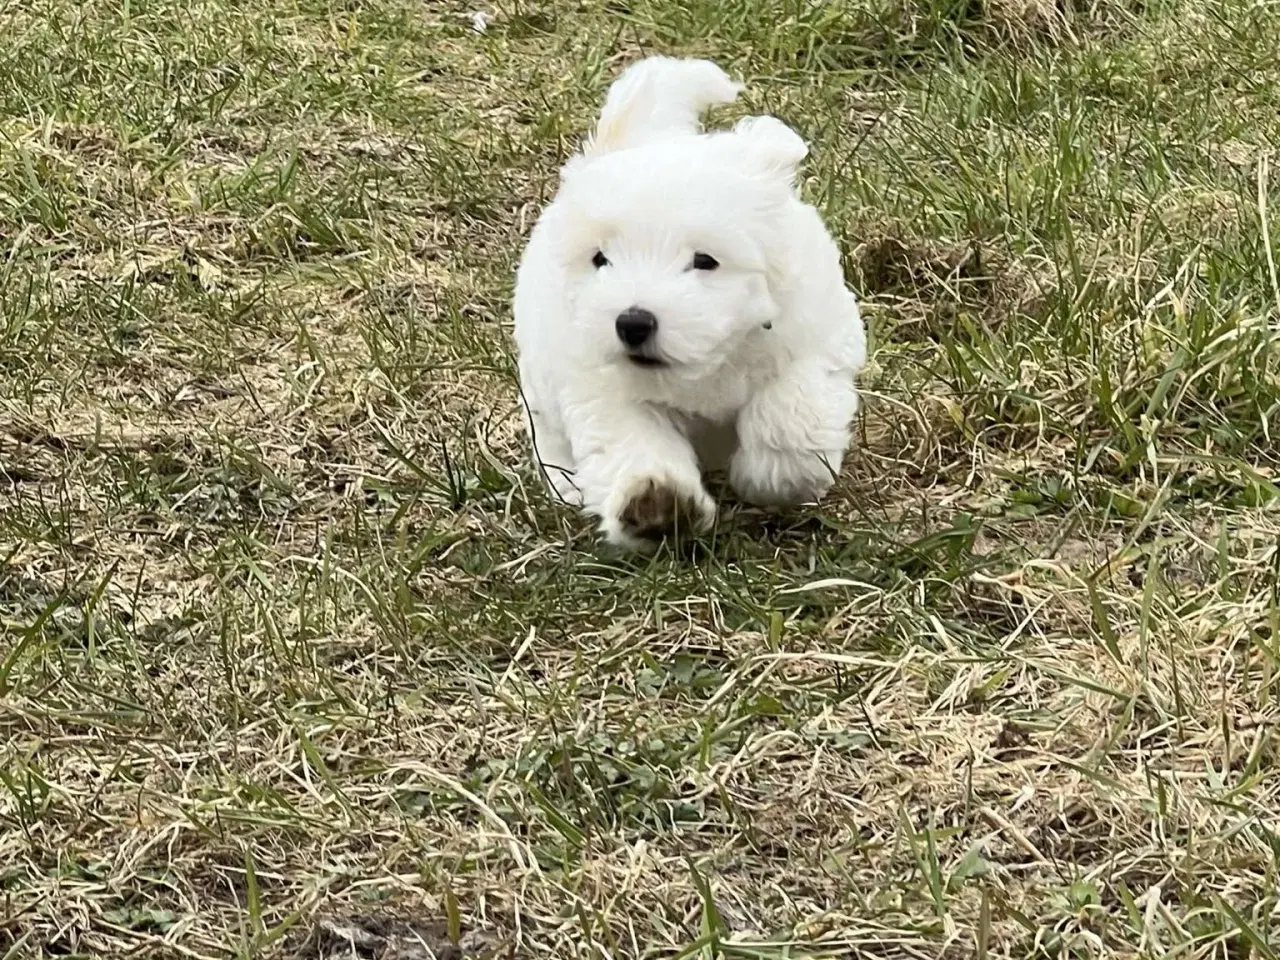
680, 309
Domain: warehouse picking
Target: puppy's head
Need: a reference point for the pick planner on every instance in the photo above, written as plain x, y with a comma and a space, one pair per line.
671, 240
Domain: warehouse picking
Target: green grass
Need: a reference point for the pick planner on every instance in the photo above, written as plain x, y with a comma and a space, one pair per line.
298, 660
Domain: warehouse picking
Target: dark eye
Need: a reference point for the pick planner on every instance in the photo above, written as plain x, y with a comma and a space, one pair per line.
599, 260
704, 261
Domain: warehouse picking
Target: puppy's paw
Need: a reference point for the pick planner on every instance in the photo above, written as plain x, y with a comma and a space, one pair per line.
781, 478
652, 511
645, 511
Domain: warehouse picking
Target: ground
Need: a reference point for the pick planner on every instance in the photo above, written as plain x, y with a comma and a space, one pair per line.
298, 660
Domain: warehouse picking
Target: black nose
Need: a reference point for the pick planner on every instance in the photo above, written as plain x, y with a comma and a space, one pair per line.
635, 325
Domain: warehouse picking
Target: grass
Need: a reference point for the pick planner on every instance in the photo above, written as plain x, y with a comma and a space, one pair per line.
298, 660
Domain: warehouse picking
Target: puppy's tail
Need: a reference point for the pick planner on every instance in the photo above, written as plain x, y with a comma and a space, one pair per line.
659, 97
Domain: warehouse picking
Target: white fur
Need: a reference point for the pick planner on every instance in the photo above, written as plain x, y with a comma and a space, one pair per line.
760, 353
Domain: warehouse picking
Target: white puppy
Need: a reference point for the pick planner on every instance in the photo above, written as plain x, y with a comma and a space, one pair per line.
680, 309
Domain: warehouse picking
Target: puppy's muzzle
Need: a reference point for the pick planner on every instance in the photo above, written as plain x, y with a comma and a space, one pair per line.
636, 327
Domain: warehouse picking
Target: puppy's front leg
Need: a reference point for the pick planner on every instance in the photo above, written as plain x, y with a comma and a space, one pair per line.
638, 472
792, 437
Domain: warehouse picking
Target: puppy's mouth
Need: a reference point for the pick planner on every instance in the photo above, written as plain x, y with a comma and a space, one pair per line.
644, 360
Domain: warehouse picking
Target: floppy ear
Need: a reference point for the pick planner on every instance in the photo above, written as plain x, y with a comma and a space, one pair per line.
772, 147
658, 97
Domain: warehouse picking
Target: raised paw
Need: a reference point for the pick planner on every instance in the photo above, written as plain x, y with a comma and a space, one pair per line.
653, 509
776, 478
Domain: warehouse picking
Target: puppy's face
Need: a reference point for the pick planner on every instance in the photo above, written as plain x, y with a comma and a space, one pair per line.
667, 253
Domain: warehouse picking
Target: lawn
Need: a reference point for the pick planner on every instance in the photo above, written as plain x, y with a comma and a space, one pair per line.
297, 659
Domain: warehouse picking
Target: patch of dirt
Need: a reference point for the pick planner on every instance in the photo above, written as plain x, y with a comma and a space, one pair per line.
381, 937
892, 265
942, 276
